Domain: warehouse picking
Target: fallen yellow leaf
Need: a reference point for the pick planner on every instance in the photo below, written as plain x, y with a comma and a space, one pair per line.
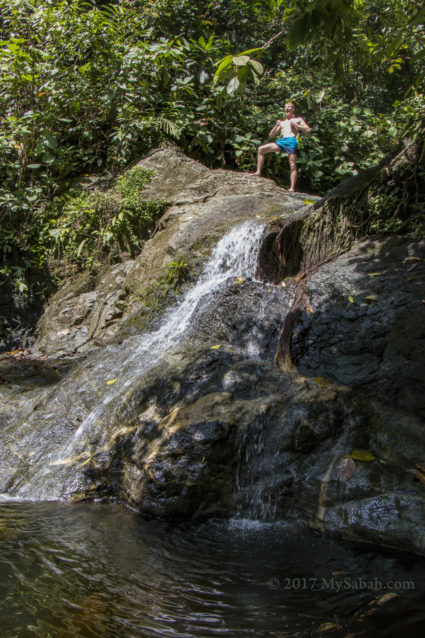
111, 382
350, 299
215, 347
310, 308
386, 597
371, 298
361, 455
325, 626
308, 201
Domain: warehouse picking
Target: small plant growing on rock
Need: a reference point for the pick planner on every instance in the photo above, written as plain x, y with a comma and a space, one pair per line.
178, 272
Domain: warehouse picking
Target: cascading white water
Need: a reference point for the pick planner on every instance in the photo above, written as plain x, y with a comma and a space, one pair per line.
235, 254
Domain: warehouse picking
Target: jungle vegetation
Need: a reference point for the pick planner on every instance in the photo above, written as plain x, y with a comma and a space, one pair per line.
89, 86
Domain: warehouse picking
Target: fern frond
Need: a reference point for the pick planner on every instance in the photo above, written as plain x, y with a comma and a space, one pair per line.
168, 128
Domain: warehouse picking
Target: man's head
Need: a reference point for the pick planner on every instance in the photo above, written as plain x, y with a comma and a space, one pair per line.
289, 109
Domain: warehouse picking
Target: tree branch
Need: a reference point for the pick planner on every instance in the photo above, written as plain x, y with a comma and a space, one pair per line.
268, 43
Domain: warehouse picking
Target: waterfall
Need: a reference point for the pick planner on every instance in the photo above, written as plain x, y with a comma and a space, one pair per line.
54, 473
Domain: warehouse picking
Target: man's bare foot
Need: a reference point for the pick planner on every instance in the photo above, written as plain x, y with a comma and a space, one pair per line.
256, 174
291, 190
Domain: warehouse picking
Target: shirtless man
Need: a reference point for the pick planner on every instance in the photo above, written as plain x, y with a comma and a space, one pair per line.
287, 130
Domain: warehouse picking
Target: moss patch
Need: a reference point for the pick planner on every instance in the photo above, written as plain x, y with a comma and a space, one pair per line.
159, 295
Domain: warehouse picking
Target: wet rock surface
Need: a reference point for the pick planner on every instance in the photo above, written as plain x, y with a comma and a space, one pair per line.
209, 425
367, 328
209, 432
242, 436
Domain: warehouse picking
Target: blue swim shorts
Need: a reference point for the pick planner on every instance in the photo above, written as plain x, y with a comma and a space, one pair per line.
288, 144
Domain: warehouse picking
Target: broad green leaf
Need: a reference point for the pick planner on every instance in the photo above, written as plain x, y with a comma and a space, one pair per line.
225, 62
249, 51
233, 86
240, 60
417, 18
242, 74
257, 66
50, 140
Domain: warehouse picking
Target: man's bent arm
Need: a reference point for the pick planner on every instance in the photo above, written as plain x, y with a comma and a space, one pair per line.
275, 130
302, 126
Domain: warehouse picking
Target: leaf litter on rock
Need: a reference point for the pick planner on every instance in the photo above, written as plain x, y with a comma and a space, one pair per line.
346, 469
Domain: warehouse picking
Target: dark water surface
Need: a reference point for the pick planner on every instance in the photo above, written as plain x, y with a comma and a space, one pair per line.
101, 570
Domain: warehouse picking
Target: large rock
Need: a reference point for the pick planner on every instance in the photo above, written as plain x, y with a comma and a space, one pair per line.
211, 426
125, 298
366, 324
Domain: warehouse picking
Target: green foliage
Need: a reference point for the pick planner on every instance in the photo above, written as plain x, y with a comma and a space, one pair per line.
236, 69
399, 206
131, 184
92, 226
89, 86
178, 272
370, 36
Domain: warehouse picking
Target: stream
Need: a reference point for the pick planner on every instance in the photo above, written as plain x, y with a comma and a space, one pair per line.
102, 570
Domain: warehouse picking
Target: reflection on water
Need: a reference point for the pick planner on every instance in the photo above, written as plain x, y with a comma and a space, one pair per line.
90, 571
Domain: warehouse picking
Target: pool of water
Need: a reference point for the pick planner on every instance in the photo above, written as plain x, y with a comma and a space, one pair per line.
102, 570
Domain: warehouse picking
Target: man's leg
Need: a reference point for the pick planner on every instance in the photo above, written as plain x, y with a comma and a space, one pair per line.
262, 151
293, 167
